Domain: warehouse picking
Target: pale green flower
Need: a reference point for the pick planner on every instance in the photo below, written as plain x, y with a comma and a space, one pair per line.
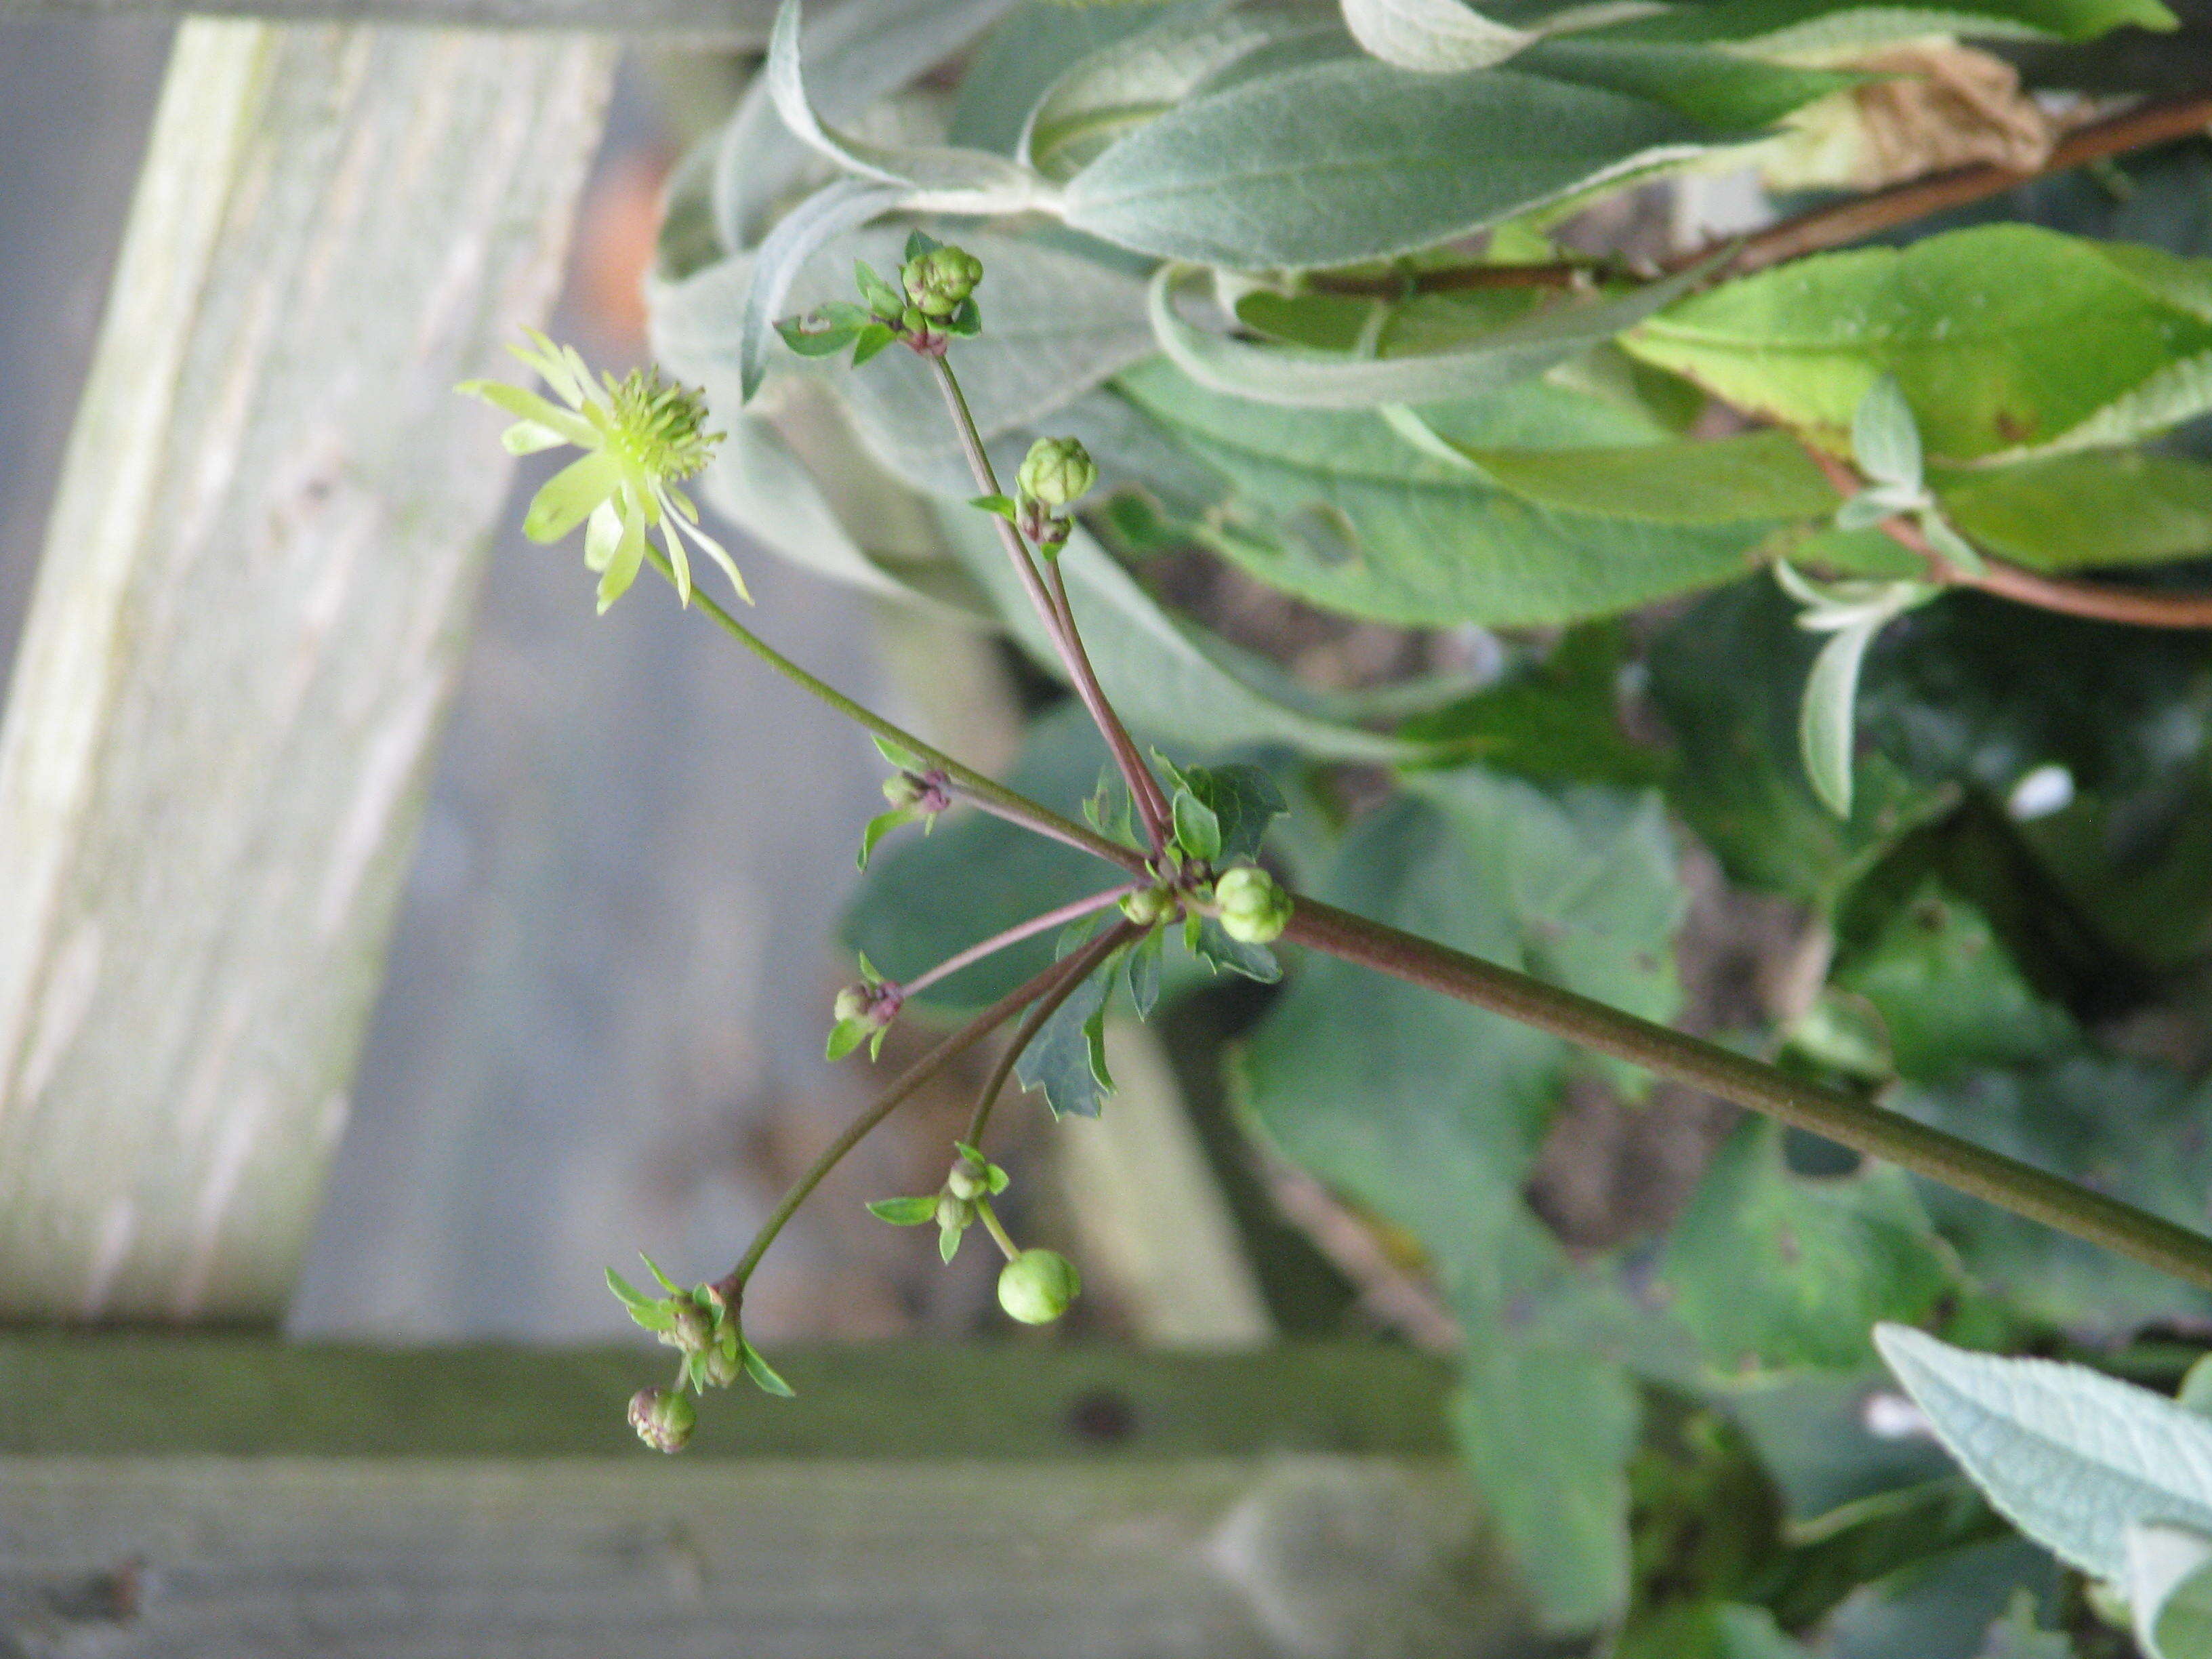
642, 437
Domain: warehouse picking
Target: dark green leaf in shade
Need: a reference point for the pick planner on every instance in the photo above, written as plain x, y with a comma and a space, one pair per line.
1774, 1270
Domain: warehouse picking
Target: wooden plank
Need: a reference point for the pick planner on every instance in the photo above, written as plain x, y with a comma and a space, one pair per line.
231, 1498
259, 569
660, 22
145, 1394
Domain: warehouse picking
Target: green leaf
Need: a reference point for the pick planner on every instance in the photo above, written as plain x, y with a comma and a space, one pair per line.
897, 755
2096, 508
1724, 679
1294, 377
937, 178
847, 1034
2169, 1587
869, 341
1143, 965
1337, 510
1435, 36
1723, 92
651, 1312
799, 235
2127, 1128
1773, 28
876, 828
2071, 1457
1219, 952
883, 299
1950, 999
1166, 680
1754, 476
1773, 1269
1067, 1059
1197, 830
1544, 1432
1131, 81
666, 1282
1334, 162
1580, 890
1002, 505
948, 1244
1243, 801
1018, 66
2004, 340
1553, 719
1885, 437
1709, 1630
904, 1211
763, 1374
1827, 728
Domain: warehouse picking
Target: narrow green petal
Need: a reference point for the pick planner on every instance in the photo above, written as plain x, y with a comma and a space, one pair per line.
570, 496
715, 550
602, 537
677, 562
622, 570
544, 356
528, 406
528, 437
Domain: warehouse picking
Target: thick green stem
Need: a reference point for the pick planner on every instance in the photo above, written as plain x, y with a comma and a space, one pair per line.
1079, 967
908, 1080
986, 792
2004, 1181
996, 1228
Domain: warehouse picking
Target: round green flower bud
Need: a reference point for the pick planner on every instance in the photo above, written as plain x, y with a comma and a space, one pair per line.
663, 1418
953, 1213
940, 282
966, 1182
1148, 907
854, 1002
720, 1367
695, 1326
1037, 1286
1254, 909
1057, 472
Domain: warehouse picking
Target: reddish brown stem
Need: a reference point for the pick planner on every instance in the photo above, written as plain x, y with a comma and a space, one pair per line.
1823, 228
2142, 607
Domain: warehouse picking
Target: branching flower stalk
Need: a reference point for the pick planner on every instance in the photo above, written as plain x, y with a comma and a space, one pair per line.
1175, 883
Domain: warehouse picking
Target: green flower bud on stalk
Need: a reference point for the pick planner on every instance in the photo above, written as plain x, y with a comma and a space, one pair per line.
664, 1418
967, 1180
719, 1366
953, 1213
1057, 472
1149, 907
939, 281
1254, 909
1037, 1286
926, 793
694, 1329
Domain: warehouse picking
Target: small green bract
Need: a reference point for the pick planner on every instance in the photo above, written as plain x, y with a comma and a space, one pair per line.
641, 435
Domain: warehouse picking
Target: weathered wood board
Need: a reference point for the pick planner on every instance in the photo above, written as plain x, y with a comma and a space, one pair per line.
233, 1500
260, 566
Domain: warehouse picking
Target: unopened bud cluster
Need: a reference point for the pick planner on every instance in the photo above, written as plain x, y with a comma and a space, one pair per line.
1253, 906
922, 794
1055, 474
939, 281
664, 1417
